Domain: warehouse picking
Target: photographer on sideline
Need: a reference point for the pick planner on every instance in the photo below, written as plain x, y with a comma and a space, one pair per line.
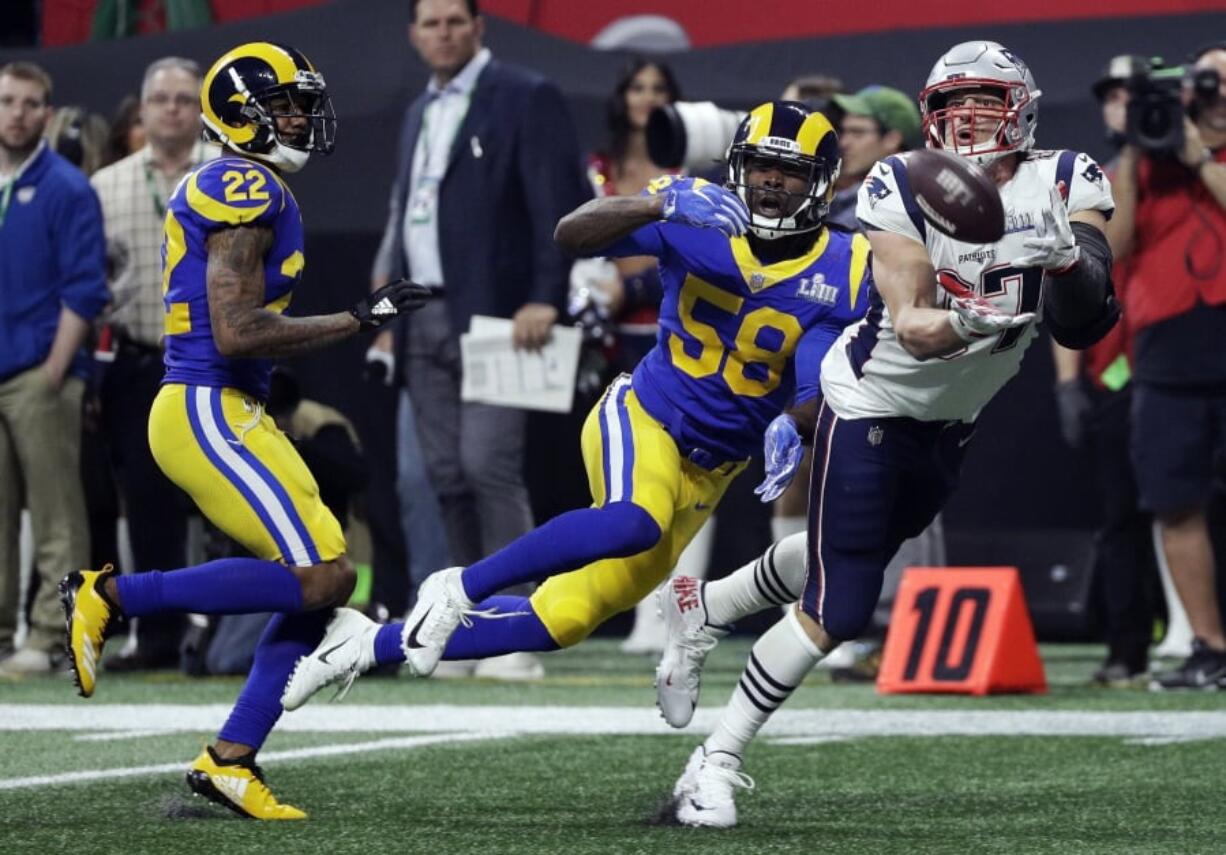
1170, 222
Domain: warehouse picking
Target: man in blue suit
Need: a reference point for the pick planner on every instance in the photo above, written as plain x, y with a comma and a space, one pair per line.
489, 162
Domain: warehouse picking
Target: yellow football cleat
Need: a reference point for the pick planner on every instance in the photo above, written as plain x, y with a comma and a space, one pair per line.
237, 785
90, 617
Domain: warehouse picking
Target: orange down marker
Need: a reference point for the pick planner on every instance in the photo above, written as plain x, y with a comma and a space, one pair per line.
962, 630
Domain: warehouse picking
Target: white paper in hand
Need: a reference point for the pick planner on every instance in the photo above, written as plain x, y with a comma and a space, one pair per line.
496, 373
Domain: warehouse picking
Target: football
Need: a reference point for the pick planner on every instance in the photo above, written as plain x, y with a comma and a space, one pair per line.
956, 196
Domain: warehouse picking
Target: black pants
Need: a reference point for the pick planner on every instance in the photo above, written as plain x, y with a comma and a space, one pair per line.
1124, 553
155, 508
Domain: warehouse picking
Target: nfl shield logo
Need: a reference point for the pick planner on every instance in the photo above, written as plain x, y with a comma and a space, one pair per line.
875, 435
757, 282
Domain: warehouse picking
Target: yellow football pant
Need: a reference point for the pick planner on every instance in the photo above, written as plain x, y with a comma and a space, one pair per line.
243, 473
629, 456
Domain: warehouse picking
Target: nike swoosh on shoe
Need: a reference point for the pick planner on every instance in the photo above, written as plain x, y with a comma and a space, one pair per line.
323, 657
412, 639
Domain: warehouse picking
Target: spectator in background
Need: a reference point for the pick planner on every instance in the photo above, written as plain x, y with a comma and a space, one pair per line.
415, 535
127, 133
133, 193
1093, 398
1170, 226
877, 122
489, 162
79, 137
52, 285
628, 288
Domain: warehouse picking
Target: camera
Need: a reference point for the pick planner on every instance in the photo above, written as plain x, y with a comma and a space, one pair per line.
690, 134
1154, 121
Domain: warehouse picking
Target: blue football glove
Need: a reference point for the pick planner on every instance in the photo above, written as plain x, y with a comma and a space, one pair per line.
782, 452
707, 206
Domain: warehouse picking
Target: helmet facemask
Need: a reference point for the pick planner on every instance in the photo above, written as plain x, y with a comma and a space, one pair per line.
982, 133
774, 211
306, 98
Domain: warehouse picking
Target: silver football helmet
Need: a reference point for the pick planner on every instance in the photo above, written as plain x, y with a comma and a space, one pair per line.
982, 132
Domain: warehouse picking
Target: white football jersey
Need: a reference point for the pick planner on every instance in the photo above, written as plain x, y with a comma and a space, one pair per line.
868, 374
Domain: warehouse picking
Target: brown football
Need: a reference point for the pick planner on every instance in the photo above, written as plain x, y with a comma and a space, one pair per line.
956, 196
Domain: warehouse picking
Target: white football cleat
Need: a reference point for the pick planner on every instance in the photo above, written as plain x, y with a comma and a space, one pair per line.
689, 777
687, 641
441, 606
347, 649
710, 800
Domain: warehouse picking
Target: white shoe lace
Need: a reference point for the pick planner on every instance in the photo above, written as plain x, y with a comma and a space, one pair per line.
450, 614
350, 674
716, 783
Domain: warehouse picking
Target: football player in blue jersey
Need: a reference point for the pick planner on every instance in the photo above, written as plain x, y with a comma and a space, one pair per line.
232, 254
756, 289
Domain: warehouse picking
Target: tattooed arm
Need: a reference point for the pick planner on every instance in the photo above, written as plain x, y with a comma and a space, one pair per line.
242, 327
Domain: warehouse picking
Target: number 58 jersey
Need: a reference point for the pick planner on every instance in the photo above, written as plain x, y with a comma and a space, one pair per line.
223, 193
740, 340
868, 374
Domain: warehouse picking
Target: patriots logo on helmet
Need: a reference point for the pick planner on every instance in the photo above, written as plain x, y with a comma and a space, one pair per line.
1015, 59
877, 190
1093, 174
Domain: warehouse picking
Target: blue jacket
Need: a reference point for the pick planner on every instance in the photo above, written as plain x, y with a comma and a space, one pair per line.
52, 254
515, 170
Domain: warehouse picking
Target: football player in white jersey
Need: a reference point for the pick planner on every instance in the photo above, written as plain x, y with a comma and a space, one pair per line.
946, 328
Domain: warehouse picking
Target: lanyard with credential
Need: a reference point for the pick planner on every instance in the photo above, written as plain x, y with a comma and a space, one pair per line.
5, 198
425, 129
154, 193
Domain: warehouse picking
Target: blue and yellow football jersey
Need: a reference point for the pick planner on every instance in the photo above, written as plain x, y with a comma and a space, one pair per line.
226, 192
739, 340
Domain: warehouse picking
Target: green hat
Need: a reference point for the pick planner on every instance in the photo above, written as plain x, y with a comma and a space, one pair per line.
893, 110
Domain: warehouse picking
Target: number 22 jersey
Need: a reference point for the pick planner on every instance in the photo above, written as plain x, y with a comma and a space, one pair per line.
868, 374
219, 194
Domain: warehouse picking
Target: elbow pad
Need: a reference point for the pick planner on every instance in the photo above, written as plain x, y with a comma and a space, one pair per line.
1079, 305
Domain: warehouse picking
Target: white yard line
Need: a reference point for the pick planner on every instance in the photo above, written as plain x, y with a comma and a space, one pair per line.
445, 718
442, 723
112, 736
265, 758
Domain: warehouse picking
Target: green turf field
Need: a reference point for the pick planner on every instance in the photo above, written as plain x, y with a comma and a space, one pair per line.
580, 763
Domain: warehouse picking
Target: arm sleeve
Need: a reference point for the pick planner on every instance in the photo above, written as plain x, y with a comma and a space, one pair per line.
81, 252
648, 240
809, 355
551, 170
1080, 307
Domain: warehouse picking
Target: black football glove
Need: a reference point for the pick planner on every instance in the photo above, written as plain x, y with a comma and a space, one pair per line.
390, 302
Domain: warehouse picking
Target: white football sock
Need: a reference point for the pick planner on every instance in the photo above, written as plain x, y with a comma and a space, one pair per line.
777, 664
696, 557
782, 527
775, 578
